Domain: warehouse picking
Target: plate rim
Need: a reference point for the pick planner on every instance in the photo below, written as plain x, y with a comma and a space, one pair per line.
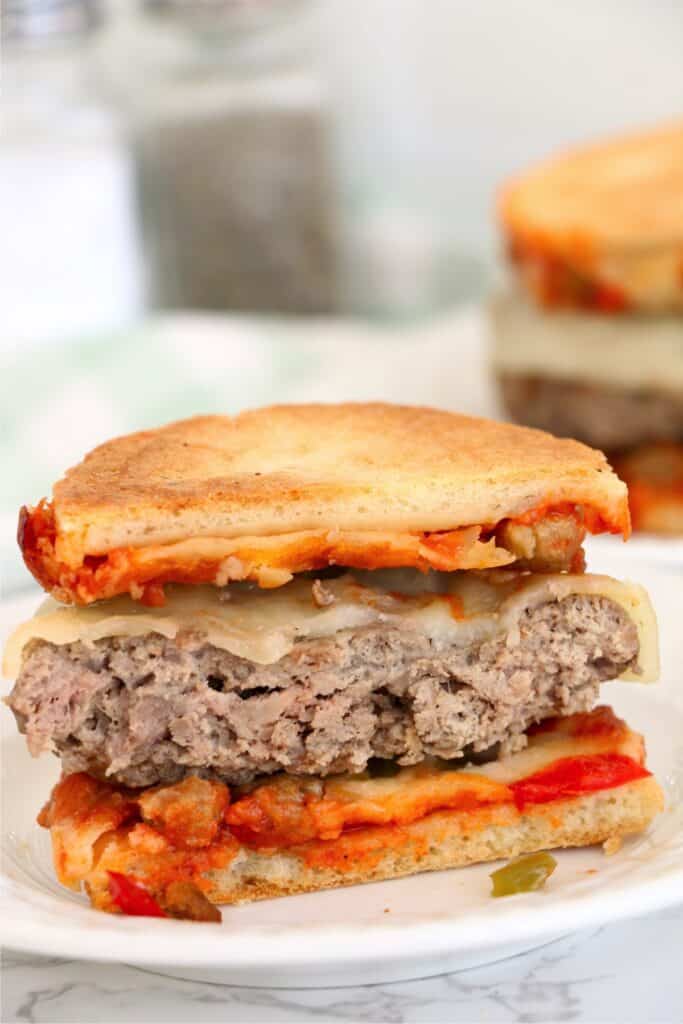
338, 945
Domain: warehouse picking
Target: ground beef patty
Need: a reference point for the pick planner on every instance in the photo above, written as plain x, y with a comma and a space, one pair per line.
607, 418
144, 710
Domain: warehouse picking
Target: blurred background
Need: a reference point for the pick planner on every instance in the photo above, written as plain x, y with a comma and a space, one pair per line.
214, 204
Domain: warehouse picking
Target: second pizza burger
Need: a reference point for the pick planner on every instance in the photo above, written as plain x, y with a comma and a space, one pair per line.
588, 339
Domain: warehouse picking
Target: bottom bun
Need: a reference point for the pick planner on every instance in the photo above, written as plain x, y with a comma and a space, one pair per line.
447, 840
581, 780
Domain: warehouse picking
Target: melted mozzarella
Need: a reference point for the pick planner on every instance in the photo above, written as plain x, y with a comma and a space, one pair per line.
264, 625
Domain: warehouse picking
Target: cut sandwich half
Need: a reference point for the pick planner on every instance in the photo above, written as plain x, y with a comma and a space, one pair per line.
285, 639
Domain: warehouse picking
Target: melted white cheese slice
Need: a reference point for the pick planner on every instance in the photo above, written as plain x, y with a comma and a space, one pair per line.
628, 352
264, 625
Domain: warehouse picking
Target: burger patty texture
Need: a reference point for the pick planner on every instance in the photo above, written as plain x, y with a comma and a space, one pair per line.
611, 418
146, 710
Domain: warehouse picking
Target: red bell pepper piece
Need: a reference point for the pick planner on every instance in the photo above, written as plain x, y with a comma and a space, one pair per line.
132, 898
575, 776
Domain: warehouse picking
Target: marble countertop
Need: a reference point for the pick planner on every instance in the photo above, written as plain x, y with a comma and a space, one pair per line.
630, 972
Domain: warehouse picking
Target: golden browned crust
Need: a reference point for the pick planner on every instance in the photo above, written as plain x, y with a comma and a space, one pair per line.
620, 193
287, 469
611, 212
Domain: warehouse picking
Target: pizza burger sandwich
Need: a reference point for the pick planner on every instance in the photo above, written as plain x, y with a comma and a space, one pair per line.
313, 646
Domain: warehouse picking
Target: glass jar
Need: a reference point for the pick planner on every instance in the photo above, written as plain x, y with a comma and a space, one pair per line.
69, 258
226, 120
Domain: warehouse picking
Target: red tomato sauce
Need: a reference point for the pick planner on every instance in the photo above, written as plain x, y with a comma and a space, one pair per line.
123, 570
559, 284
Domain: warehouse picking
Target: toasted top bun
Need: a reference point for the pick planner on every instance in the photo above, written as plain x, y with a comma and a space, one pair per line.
337, 467
613, 212
289, 489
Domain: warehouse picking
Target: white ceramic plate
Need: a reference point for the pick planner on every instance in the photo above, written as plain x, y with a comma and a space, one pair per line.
642, 548
380, 932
